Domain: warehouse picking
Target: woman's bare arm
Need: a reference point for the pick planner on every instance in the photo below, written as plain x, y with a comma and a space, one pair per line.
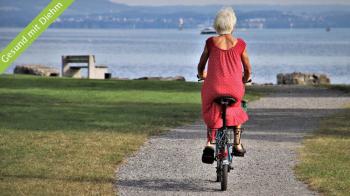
202, 62
246, 65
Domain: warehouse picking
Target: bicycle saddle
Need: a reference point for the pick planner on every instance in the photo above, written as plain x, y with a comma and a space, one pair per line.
225, 100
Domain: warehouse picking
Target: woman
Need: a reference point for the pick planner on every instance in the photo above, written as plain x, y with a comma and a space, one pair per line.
227, 59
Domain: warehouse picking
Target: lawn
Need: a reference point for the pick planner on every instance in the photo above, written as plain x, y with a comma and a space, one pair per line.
67, 136
325, 157
344, 88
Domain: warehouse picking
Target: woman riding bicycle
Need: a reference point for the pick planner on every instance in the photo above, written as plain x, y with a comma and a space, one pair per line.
227, 61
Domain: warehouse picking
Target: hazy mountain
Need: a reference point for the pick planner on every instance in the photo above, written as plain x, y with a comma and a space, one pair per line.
106, 14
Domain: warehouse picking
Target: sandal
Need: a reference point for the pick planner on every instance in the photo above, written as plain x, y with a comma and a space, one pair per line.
238, 152
208, 155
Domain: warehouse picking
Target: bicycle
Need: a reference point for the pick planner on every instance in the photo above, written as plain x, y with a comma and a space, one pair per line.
224, 144
224, 141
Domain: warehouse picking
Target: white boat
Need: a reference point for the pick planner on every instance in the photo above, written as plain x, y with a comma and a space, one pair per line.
208, 30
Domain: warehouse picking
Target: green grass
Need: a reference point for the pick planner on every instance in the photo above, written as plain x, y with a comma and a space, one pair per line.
344, 88
67, 136
340, 87
325, 156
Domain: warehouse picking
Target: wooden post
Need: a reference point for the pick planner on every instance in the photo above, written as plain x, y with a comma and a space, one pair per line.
91, 67
64, 66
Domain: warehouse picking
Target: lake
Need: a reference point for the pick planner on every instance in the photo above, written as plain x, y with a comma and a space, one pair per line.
134, 53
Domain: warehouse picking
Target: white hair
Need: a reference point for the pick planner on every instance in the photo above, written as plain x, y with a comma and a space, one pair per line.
225, 21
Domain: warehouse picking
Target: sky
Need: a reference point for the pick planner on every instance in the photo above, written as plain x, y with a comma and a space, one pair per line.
231, 2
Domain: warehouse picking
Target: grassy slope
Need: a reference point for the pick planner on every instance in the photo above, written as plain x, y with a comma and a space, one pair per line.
66, 136
344, 88
325, 156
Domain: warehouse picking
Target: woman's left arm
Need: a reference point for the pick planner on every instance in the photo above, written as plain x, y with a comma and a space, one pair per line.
202, 62
246, 65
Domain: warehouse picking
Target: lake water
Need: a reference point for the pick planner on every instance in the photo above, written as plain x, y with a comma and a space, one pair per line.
154, 52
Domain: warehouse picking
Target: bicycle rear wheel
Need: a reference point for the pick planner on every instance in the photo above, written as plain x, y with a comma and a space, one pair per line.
224, 174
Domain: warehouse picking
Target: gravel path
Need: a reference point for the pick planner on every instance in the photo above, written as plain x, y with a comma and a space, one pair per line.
170, 164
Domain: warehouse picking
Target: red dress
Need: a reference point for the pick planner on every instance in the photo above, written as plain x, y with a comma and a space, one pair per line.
224, 77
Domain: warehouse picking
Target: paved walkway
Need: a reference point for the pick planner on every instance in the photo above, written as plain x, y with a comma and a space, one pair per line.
170, 164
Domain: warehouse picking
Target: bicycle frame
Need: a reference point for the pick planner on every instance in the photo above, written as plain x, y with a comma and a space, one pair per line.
223, 146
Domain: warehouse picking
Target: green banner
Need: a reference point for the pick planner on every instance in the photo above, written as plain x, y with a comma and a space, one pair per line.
32, 32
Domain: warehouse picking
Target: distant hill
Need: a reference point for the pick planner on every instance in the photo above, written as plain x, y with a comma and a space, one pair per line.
106, 14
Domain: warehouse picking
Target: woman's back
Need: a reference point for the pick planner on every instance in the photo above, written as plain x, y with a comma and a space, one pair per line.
225, 64
224, 78
225, 42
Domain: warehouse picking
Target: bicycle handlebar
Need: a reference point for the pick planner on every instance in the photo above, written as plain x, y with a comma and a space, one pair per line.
248, 81
199, 79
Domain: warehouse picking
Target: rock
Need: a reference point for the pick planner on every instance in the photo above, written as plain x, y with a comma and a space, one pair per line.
176, 78
268, 84
117, 78
298, 78
148, 78
261, 84
280, 78
322, 79
38, 70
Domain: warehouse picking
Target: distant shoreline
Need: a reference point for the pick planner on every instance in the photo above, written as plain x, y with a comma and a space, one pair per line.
169, 52
193, 28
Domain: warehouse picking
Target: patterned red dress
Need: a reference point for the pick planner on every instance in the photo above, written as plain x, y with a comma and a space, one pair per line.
224, 77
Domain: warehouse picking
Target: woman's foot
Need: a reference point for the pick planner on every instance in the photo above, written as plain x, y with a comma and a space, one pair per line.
238, 150
208, 156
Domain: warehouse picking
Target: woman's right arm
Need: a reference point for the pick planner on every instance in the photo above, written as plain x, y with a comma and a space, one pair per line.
246, 66
202, 62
